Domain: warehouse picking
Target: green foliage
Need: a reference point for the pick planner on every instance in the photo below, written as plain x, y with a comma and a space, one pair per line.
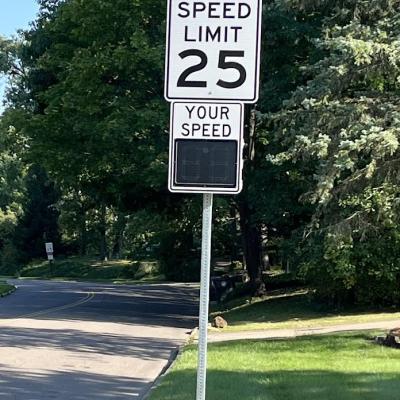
88, 125
39, 223
271, 192
97, 84
178, 260
80, 268
9, 259
344, 123
88, 107
5, 289
143, 232
12, 193
8, 50
355, 270
282, 281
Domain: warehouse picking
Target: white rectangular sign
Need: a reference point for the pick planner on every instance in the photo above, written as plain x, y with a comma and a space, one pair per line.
49, 248
206, 148
213, 50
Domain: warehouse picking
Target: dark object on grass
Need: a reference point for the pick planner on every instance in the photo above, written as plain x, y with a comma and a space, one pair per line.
392, 339
219, 322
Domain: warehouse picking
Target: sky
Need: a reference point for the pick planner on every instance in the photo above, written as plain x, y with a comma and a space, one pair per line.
14, 15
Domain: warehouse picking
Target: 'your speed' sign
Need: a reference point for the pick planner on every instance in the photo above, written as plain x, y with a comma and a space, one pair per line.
206, 148
213, 50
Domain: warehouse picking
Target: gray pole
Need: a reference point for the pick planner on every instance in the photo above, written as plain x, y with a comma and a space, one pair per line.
204, 295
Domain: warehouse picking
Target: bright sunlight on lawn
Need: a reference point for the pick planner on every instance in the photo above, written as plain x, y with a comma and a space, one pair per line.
339, 367
296, 311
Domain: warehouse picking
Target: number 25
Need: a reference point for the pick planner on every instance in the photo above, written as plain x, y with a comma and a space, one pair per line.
222, 64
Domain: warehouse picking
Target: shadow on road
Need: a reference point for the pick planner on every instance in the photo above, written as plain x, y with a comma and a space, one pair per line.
83, 341
152, 305
145, 348
66, 385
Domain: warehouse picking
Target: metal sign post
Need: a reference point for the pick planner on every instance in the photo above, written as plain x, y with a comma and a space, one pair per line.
204, 295
212, 68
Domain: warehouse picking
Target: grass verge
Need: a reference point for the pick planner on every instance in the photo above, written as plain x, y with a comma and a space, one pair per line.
294, 310
5, 288
88, 269
345, 367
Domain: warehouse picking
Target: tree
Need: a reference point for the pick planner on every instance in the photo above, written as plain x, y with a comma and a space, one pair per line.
269, 202
96, 117
12, 192
345, 123
39, 223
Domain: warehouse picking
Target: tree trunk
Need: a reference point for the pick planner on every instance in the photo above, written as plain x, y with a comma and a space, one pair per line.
119, 239
252, 250
265, 260
251, 232
103, 234
82, 234
235, 229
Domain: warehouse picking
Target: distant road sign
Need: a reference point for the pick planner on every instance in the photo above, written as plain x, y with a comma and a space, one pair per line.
206, 148
213, 50
49, 251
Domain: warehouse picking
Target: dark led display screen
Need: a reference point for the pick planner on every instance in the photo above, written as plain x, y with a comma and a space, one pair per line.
206, 163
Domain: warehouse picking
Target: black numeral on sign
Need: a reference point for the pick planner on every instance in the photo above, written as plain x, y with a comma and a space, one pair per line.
223, 63
182, 81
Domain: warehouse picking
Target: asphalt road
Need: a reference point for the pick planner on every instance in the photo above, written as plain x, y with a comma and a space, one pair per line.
80, 341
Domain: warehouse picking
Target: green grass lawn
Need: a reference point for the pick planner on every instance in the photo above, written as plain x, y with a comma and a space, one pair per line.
5, 288
335, 367
295, 310
89, 269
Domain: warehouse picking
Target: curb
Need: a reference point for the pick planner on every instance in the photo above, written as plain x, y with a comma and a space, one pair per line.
170, 363
173, 358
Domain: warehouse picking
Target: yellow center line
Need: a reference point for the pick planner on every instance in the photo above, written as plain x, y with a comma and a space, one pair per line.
88, 297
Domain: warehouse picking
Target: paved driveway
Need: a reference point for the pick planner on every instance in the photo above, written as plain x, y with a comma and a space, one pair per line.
70, 341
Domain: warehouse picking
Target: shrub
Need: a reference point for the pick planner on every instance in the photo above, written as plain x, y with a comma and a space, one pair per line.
9, 264
345, 270
178, 260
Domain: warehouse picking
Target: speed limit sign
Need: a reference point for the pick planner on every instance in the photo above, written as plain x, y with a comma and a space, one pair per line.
213, 50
